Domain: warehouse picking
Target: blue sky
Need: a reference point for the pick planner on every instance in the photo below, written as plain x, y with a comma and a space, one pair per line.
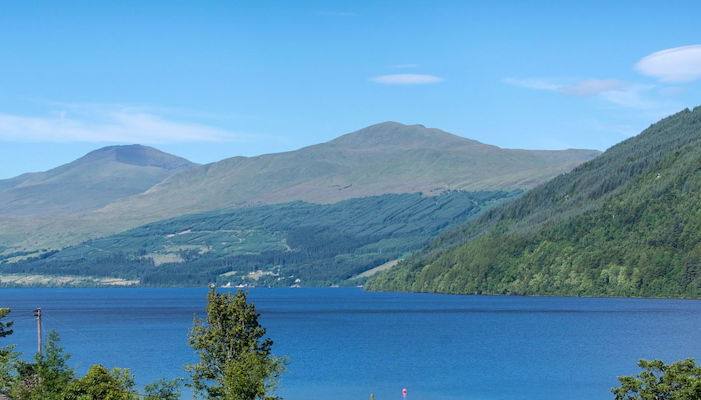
210, 80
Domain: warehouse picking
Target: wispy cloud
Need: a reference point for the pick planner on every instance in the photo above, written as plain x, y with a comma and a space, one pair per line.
614, 91
533, 83
671, 91
406, 79
593, 87
679, 64
587, 87
630, 96
76, 123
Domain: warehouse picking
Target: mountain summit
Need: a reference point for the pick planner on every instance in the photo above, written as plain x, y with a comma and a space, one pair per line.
90, 182
385, 158
137, 155
394, 134
121, 187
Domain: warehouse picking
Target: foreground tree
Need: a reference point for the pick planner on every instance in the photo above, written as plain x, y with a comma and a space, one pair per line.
47, 376
5, 326
8, 357
658, 381
102, 384
163, 389
235, 361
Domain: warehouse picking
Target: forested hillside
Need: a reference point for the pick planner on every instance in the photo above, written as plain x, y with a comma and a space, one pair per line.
627, 223
276, 245
384, 158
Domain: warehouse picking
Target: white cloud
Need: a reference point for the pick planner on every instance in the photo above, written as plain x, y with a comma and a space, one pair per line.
679, 64
406, 79
105, 124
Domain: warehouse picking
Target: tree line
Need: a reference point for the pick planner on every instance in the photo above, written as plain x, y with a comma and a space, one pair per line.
318, 244
235, 363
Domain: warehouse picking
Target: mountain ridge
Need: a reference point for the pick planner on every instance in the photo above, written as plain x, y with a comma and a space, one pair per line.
383, 158
366, 162
626, 223
89, 182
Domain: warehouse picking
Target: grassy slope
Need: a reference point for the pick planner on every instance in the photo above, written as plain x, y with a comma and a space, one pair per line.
319, 244
627, 223
91, 182
384, 158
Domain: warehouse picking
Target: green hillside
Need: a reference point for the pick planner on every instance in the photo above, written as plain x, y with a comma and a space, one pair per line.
627, 223
275, 245
383, 158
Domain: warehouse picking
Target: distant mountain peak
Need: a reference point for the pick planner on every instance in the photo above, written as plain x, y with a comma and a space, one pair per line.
391, 133
137, 154
92, 181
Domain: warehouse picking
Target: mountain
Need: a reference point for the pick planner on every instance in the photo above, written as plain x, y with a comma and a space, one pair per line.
627, 223
383, 158
88, 183
273, 245
380, 159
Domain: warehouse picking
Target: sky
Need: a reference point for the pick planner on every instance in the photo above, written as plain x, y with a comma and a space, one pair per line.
208, 80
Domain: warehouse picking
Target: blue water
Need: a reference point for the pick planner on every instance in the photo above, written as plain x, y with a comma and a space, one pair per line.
344, 344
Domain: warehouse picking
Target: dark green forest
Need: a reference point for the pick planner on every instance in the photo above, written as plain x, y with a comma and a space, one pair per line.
276, 245
627, 223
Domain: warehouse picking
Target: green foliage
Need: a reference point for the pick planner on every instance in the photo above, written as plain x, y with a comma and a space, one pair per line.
318, 244
383, 158
102, 384
235, 361
47, 377
5, 326
678, 381
52, 369
624, 224
8, 368
8, 357
163, 389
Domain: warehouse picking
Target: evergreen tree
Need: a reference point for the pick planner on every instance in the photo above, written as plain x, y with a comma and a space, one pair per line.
8, 357
235, 361
47, 377
5, 326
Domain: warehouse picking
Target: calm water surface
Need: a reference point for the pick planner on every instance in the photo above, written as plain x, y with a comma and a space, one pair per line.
344, 344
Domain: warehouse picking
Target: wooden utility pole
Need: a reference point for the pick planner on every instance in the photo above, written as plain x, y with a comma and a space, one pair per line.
37, 313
